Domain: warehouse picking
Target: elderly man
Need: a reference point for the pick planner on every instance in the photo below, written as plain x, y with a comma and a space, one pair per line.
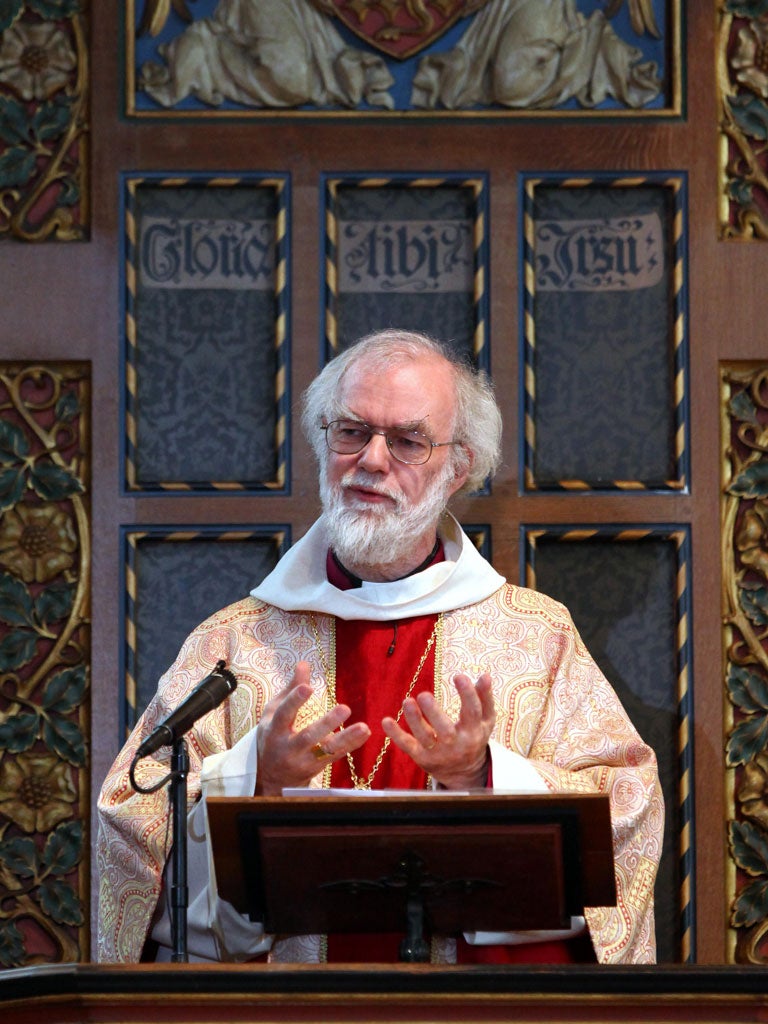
385, 652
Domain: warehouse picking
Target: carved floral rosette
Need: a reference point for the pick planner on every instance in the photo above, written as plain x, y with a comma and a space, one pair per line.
744, 534
44, 662
44, 116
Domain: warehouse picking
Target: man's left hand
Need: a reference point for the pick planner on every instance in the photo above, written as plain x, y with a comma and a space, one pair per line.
455, 754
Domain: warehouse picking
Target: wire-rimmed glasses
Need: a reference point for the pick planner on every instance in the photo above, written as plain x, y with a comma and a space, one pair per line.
348, 437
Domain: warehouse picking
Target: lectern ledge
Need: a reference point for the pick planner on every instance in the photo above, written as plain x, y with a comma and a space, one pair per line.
415, 863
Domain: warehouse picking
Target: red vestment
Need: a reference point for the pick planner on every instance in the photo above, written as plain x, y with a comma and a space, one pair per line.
375, 663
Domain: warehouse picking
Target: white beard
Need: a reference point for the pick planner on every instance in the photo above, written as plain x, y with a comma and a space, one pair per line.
376, 535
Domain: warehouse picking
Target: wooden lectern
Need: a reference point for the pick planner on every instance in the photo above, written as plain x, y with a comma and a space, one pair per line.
411, 863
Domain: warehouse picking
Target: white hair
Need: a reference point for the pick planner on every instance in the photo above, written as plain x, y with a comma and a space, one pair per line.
476, 415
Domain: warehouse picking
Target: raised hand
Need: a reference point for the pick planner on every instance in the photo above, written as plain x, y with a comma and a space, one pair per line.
289, 758
455, 754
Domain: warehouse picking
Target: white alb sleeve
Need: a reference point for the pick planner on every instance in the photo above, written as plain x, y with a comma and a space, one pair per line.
215, 930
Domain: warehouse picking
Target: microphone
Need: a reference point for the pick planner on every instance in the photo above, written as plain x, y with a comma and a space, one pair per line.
206, 696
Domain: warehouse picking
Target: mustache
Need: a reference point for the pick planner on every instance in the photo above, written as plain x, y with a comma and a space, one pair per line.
358, 478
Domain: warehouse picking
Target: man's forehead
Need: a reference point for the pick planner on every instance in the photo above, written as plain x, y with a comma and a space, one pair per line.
406, 394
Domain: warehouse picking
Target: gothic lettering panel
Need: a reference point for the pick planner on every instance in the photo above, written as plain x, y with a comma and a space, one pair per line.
409, 252
605, 387
206, 323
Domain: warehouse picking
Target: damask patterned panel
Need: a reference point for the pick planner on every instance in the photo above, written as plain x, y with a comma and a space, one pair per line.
628, 592
744, 536
45, 661
395, 58
206, 329
44, 120
174, 578
407, 251
604, 332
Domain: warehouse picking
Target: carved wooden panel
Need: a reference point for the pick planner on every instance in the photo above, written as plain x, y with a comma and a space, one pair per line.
432, 58
45, 563
744, 396
44, 121
742, 88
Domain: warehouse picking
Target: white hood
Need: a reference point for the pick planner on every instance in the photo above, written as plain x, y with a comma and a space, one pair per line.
299, 581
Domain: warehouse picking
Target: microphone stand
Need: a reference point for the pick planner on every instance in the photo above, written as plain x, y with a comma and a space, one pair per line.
179, 887
208, 695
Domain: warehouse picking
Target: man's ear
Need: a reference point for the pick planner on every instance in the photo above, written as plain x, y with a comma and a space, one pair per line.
461, 473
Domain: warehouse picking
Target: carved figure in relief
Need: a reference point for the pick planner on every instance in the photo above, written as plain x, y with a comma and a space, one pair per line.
529, 54
276, 54
535, 54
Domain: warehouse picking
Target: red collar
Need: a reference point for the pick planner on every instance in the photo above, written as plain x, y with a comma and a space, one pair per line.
343, 579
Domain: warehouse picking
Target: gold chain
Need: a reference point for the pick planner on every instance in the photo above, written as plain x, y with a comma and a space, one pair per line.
329, 670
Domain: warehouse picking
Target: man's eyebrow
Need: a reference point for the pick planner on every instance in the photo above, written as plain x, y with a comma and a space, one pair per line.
416, 426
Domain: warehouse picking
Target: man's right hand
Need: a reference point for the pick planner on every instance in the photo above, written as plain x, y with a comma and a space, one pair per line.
287, 758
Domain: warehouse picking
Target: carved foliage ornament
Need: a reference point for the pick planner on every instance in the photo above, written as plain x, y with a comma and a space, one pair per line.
44, 657
742, 83
745, 610
43, 120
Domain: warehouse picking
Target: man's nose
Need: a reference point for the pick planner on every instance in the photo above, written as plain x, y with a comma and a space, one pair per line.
375, 456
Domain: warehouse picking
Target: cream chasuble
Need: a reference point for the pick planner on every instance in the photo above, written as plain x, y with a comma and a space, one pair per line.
559, 726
